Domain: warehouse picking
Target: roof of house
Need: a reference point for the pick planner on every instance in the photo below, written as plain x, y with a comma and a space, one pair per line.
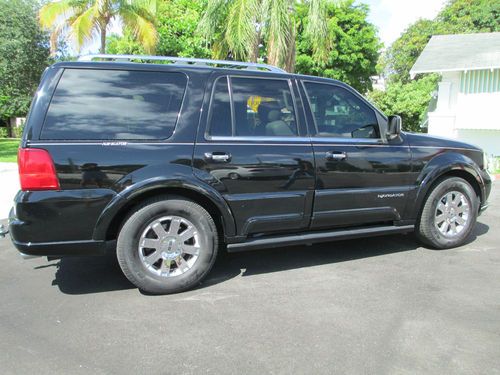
447, 53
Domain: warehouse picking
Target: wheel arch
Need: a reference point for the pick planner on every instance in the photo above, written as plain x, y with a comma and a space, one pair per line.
449, 165
117, 211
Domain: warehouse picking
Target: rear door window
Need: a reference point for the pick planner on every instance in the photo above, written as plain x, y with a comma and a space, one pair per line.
114, 105
258, 108
220, 112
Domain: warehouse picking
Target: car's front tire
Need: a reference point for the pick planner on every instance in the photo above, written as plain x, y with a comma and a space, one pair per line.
167, 245
449, 214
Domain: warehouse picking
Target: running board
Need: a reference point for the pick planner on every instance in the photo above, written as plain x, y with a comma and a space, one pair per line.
315, 237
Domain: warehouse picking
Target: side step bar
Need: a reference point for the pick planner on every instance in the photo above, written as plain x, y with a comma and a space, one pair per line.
315, 237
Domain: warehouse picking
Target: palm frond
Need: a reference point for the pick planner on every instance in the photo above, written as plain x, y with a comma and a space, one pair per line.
148, 6
212, 17
137, 16
84, 24
317, 29
51, 13
241, 33
280, 30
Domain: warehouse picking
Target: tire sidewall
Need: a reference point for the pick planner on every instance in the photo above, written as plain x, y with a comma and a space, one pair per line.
448, 185
128, 246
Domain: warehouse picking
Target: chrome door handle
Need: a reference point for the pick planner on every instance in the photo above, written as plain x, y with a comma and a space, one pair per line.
218, 157
335, 155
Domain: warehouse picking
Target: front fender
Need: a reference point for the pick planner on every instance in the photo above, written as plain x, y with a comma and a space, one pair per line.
138, 183
440, 165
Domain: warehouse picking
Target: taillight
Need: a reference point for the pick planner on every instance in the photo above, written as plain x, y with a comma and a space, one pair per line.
36, 170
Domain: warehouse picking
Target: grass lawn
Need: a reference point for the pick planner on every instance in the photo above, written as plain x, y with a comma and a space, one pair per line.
8, 150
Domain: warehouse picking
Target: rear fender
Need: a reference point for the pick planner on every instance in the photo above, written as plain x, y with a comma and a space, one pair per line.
178, 177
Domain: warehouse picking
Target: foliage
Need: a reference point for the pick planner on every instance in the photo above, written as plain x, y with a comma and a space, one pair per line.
8, 150
409, 100
86, 18
24, 51
177, 24
403, 53
458, 16
17, 132
470, 16
239, 28
354, 53
4, 132
124, 45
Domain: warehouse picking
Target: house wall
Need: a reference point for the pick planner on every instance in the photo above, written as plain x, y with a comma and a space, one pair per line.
468, 108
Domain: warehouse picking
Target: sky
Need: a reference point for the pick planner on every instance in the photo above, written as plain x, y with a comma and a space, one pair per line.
392, 17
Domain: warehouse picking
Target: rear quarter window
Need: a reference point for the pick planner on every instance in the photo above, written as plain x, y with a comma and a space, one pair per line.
114, 104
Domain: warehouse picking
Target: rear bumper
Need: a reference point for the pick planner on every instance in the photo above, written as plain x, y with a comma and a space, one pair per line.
60, 248
57, 249
58, 223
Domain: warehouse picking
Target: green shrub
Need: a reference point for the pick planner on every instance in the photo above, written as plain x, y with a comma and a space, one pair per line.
17, 132
4, 132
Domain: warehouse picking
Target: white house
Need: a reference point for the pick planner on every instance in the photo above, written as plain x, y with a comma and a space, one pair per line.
468, 101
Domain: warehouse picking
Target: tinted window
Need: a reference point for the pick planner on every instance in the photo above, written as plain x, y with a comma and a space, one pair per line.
339, 113
114, 104
261, 107
220, 111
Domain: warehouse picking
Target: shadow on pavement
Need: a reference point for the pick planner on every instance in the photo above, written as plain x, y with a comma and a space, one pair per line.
83, 275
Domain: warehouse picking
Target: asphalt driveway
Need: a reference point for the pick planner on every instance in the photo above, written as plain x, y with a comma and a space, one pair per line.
376, 306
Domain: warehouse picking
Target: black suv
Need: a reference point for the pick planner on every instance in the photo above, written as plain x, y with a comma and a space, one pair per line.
177, 159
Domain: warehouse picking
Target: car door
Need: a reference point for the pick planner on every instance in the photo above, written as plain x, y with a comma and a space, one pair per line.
361, 177
252, 147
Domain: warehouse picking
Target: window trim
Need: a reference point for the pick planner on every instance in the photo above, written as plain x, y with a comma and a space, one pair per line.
379, 139
123, 140
234, 138
211, 107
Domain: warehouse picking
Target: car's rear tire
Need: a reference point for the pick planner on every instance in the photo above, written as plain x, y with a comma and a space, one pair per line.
449, 214
167, 245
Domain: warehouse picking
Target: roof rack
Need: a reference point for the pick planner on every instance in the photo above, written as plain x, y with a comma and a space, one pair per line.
184, 61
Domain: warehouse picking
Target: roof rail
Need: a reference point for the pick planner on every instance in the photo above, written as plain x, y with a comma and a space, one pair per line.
183, 60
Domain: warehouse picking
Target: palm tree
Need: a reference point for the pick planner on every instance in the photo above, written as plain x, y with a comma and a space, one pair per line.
86, 18
239, 27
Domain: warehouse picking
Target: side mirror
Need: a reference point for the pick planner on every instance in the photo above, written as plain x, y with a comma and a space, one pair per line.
393, 127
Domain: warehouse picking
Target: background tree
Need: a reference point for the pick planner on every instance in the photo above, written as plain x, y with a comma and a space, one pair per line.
177, 28
239, 28
354, 45
125, 44
86, 18
402, 54
24, 51
470, 16
457, 16
410, 100
176, 23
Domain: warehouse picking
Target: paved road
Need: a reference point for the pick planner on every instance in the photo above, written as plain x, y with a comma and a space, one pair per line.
373, 306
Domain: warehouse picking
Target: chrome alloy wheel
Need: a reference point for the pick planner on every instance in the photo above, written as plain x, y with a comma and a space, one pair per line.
452, 214
169, 246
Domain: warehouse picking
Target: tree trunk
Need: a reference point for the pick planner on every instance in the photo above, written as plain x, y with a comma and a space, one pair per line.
103, 39
272, 58
254, 56
290, 53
